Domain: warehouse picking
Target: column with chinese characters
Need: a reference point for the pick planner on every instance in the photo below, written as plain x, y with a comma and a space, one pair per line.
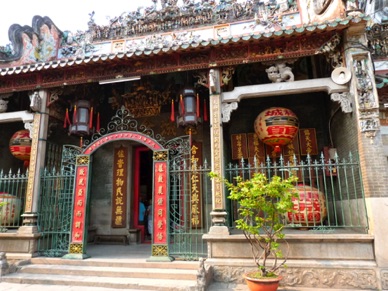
160, 208
218, 212
77, 245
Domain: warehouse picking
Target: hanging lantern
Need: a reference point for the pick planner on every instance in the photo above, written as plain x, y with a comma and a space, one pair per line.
20, 146
81, 118
188, 108
276, 127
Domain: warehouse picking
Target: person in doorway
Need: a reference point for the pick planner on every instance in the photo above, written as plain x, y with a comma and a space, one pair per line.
149, 218
142, 210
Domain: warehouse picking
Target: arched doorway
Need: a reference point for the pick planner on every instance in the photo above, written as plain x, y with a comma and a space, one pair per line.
83, 173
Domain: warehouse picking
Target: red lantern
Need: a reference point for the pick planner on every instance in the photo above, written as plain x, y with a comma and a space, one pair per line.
276, 127
20, 146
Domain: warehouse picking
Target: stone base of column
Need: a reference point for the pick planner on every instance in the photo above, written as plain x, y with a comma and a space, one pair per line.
30, 218
160, 259
218, 223
27, 229
76, 256
218, 217
219, 230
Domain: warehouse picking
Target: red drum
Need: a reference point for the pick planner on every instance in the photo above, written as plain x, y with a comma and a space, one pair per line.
10, 211
309, 208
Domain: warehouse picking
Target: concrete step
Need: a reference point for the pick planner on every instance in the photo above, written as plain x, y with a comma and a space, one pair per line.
130, 263
5, 286
104, 271
102, 282
129, 274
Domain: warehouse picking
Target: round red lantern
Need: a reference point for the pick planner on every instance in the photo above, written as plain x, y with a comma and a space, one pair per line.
310, 208
276, 126
20, 146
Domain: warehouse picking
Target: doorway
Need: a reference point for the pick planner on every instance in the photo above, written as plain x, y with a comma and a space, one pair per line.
143, 180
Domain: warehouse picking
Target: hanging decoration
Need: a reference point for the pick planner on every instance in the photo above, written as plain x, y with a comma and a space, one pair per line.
82, 119
172, 116
187, 109
20, 146
81, 116
276, 127
205, 117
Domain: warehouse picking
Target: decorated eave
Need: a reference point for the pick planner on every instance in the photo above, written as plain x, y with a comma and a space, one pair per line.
225, 44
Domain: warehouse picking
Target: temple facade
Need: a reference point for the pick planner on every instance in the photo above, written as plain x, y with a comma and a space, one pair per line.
110, 134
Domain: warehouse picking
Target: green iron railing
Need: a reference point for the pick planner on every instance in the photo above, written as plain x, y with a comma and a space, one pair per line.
190, 205
55, 205
12, 196
331, 191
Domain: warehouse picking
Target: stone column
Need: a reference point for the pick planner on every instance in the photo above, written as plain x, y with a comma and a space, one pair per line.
38, 133
374, 167
218, 213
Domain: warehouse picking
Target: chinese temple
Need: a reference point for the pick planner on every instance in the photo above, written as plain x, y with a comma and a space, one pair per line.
99, 125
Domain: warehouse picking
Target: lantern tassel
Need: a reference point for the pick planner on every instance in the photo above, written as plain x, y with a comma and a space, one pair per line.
182, 105
198, 110
98, 122
75, 114
67, 119
204, 110
91, 118
80, 142
172, 116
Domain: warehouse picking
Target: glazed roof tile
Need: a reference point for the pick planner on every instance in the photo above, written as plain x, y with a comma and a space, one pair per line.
139, 51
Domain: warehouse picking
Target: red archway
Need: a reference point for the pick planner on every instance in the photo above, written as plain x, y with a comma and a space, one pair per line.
77, 245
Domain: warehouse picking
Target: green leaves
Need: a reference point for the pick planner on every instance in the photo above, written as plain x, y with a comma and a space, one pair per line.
263, 204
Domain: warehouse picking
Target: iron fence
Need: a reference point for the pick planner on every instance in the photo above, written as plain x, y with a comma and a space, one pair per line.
55, 205
190, 207
12, 196
330, 191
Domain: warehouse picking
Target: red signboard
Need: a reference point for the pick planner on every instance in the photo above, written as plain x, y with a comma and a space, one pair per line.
79, 204
196, 187
160, 204
308, 141
119, 197
239, 146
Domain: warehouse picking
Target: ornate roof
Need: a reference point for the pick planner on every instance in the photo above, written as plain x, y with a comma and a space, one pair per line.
193, 36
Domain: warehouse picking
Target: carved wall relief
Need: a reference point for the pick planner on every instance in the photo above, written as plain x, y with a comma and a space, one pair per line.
368, 105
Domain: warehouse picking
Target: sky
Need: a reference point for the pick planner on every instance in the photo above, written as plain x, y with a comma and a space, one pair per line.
70, 15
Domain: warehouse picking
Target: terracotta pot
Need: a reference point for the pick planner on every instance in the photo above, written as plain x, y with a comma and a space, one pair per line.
262, 284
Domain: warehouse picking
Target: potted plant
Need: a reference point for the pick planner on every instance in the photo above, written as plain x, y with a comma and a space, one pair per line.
262, 206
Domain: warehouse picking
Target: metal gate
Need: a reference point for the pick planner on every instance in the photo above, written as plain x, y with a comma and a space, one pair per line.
55, 206
189, 194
